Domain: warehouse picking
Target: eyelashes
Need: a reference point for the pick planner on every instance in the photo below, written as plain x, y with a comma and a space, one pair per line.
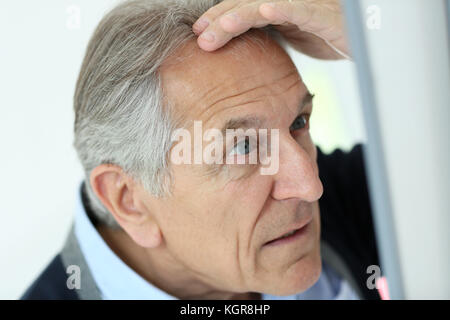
301, 122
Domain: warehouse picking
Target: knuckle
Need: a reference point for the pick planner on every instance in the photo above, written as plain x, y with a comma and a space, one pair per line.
213, 12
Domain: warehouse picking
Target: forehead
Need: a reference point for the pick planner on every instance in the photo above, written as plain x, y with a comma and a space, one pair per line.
244, 76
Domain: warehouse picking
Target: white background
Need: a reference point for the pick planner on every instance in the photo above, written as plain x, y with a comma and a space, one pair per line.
41, 51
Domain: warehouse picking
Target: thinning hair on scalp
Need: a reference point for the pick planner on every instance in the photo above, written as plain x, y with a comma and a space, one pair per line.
120, 117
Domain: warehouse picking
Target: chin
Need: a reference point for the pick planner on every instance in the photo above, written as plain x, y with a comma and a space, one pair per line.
301, 276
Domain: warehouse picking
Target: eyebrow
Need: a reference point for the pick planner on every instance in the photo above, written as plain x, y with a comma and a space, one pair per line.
257, 122
307, 99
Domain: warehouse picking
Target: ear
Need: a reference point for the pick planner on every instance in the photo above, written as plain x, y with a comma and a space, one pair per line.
119, 194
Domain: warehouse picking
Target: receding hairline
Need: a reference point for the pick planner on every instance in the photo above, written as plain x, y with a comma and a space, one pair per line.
254, 38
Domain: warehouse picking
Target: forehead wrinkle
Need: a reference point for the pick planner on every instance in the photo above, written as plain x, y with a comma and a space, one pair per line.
303, 100
252, 89
296, 82
220, 86
299, 106
210, 106
231, 107
221, 100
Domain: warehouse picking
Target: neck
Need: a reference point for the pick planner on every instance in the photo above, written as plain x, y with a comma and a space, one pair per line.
160, 269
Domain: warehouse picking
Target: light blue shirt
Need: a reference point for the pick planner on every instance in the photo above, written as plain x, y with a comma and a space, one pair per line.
117, 281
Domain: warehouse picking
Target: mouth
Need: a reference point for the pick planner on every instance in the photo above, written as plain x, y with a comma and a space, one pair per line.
290, 236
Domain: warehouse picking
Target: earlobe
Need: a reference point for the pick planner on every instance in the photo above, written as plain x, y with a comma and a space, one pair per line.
148, 235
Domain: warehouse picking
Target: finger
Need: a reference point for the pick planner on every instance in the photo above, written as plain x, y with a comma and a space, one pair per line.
238, 20
324, 21
294, 12
214, 37
211, 15
231, 24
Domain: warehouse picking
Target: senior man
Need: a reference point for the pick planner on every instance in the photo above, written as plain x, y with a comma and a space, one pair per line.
147, 228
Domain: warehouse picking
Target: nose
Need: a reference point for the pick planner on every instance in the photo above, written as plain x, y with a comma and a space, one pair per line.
297, 176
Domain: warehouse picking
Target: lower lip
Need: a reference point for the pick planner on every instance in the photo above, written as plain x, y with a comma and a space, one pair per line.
297, 235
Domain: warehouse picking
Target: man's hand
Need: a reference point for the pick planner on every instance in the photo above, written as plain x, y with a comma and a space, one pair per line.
314, 27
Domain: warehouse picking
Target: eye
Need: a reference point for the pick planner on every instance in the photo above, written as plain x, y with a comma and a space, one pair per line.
300, 122
242, 147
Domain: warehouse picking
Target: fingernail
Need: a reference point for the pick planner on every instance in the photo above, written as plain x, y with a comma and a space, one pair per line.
201, 24
208, 36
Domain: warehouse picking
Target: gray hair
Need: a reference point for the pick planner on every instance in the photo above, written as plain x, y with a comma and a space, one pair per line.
119, 114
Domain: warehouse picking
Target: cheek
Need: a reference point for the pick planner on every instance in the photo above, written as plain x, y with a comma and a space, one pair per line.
248, 198
246, 201
210, 229
249, 203
209, 235
199, 239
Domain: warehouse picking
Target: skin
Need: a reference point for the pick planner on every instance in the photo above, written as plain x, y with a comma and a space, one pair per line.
207, 241
313, 27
